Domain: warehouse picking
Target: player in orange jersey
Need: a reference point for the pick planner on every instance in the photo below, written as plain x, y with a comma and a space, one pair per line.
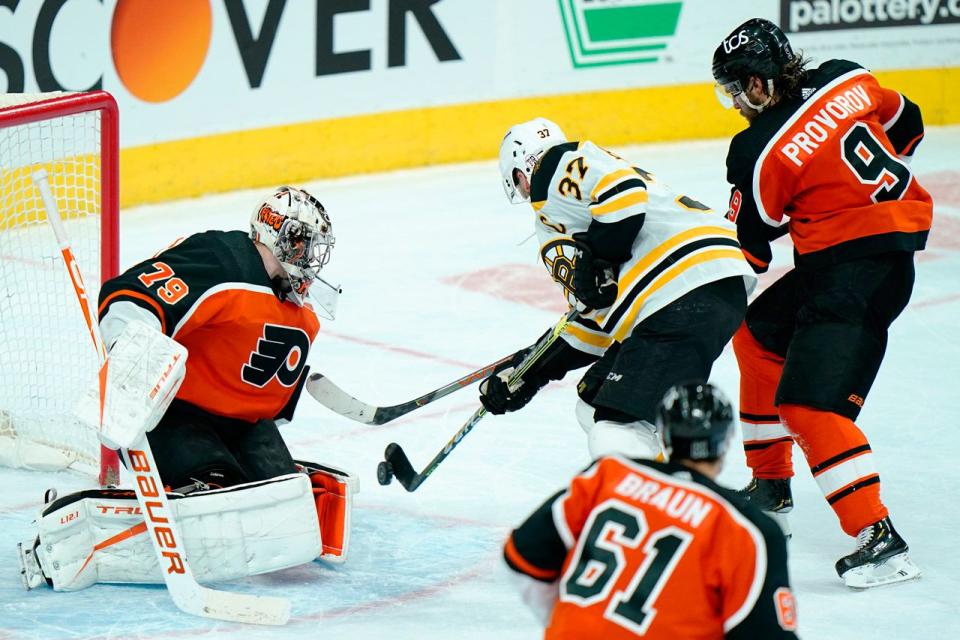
237, 301
825, 158
637, 548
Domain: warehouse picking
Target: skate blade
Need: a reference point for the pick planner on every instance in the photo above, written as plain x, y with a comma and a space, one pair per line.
899, 568
30, 575
780, 517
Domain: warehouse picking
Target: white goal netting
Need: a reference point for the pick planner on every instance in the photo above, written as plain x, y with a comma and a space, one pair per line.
46, 354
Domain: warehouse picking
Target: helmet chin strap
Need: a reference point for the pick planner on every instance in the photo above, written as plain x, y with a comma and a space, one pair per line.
763, 105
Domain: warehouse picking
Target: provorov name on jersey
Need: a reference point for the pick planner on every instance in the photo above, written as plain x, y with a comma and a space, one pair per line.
799, 16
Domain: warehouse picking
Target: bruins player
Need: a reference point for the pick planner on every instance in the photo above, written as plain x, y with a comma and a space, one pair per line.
237, 302
635, 548
660, 278
825, 158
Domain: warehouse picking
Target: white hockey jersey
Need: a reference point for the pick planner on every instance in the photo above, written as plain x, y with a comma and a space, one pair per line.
681, 245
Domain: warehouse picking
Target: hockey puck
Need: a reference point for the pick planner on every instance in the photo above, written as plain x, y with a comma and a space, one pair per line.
384, 473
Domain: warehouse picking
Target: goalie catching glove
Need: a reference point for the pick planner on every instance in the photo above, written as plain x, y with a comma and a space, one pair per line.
594, 279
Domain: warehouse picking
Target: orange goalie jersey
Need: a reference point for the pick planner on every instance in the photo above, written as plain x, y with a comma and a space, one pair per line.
211, 293
836, 162
655, 550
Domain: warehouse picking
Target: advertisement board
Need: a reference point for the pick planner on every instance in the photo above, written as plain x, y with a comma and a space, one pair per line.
249, 90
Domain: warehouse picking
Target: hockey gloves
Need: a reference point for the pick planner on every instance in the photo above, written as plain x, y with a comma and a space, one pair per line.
497, 397
594, 279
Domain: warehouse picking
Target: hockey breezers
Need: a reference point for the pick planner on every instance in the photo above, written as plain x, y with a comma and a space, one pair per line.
397, 464
167, 539
339, 401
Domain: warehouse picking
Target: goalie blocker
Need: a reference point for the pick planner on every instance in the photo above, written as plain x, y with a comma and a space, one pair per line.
99, 536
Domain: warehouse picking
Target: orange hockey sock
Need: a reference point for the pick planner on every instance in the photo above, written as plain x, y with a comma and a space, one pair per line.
767, 444
841, 462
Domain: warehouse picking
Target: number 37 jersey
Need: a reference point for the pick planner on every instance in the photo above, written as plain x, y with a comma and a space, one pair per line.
663, 244
654, 550
835, 161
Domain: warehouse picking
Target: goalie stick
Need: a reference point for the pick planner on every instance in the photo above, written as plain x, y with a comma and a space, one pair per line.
186, 593
339, 401
397, 464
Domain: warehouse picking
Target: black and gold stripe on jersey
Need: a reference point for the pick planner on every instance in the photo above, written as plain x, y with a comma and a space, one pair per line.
662, 265
617, 191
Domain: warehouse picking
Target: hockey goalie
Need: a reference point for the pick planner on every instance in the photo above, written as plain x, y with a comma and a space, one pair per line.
235, 305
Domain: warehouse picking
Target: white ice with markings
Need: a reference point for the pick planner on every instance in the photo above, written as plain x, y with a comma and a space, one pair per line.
438, 281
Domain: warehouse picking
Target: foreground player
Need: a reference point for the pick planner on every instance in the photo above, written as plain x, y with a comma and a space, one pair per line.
237, 302
660, 277
830, 149
657, 550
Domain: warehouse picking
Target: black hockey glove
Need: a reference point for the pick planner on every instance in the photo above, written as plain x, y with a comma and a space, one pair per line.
594, 279
497, 398
559, 358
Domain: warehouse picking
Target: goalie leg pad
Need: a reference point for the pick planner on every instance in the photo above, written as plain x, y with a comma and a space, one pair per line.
333, 491
100, 536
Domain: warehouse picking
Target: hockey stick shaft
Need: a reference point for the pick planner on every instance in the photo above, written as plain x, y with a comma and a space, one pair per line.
324, 391
399, 461
167, 540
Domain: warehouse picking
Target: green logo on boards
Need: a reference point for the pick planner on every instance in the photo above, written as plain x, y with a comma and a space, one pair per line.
609, 32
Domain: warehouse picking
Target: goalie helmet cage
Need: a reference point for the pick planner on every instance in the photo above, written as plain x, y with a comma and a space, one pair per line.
46, 357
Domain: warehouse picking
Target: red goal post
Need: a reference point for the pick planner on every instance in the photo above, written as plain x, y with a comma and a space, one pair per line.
45, 352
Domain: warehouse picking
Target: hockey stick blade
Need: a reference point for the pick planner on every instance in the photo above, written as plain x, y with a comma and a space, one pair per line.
397, 459
327, 393
404, 471
240, 607
400, 464
339, 401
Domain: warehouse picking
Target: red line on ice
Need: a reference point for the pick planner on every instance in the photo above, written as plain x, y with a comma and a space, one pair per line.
403, 350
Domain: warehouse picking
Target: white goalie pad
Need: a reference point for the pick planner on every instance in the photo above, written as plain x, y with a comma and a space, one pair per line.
248, 529
142, 374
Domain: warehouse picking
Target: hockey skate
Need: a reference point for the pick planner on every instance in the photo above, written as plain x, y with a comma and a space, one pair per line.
881, 558
772, 496
31, 575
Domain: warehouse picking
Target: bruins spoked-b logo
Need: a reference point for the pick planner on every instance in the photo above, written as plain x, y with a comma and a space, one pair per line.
281, 352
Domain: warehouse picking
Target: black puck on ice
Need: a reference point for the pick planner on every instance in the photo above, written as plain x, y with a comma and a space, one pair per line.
384, 473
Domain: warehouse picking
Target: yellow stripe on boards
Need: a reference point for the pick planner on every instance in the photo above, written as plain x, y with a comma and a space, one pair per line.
295, 153
626, 323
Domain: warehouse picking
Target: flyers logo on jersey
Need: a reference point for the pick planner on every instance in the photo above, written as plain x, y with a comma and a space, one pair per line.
736, 199
280, 353
268, 216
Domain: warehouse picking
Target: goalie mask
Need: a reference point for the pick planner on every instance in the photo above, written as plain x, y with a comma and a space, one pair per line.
521, 149
296, 229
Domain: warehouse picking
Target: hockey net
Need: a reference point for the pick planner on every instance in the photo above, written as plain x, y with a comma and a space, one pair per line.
46, 354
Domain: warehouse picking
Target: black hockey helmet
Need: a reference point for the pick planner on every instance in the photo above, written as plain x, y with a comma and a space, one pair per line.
755, 48
695, 419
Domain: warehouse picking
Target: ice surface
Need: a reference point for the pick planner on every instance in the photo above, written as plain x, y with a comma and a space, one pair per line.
437, 281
